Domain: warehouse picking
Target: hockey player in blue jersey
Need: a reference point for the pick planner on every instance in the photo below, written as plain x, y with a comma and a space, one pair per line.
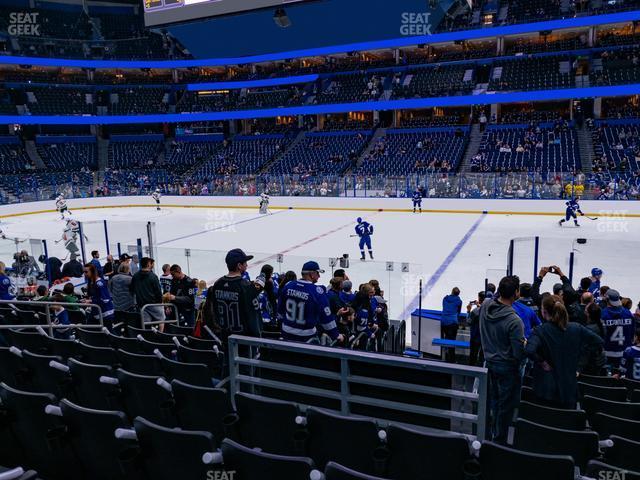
619, 327
364, 230
572, 207
630, 363
594, 288
417, 199
303, 306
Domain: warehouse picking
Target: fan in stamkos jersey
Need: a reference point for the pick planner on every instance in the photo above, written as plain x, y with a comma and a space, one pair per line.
156, 196
572, 207
61, 206
264, 204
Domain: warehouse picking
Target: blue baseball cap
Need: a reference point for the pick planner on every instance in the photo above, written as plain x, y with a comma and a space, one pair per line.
596, 272
236, 256
311, 266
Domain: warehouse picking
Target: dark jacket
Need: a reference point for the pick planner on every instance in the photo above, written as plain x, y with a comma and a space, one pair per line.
502, 334
184, 290
146, 288
577, 313
73, 268
52, 269
561, 350
473, 320
567, 291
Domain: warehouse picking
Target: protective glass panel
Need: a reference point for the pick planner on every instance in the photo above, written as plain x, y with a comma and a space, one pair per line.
522, 258
397, 280
117, 237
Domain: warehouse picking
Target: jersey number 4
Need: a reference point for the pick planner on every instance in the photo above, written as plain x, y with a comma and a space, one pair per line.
295, 311
618, 336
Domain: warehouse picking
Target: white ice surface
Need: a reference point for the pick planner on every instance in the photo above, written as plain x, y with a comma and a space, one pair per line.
429, 242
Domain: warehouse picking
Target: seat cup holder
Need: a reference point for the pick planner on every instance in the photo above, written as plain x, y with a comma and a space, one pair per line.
128, 460
300, 438
55, 437
472, 470
230, 424
380, 459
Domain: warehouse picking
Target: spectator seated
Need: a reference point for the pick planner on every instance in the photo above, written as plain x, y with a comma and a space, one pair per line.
541, 148
134, 151
405, 151
67, 153
322, 153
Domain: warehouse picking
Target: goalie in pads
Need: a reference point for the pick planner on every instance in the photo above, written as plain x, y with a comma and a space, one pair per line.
264, 204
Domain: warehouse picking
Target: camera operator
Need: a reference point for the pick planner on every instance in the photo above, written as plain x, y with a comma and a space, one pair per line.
24, 264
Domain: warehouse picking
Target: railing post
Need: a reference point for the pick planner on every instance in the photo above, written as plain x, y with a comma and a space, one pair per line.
47, 311
344, 386
482, 407
233, 368
106, 237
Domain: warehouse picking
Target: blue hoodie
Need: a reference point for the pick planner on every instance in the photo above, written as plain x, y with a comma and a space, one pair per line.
528, 317
451, 307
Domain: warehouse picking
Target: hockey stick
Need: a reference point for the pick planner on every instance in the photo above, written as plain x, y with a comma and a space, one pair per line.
590, 218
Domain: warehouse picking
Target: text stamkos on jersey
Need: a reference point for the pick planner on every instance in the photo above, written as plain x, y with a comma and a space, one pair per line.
613, 221
220, 221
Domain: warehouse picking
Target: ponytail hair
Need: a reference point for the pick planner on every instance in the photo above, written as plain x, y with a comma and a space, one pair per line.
555, 309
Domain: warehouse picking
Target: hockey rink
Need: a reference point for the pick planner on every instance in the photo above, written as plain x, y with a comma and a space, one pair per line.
445, 250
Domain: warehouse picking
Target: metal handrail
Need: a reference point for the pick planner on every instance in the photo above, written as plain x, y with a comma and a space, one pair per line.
47, 310
159, 322
240, 357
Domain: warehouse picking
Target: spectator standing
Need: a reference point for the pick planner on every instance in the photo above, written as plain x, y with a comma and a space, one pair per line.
476, 357
165, 278
526, 313
99, 295
556, 348
52, 266
145, 287
630, 363
619, 327
232, 304
182, 294
108, 269
73, 268
577, 310
451, 308
303, 306
95, 260
135, 264
593, 361
120, 288
502, 336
